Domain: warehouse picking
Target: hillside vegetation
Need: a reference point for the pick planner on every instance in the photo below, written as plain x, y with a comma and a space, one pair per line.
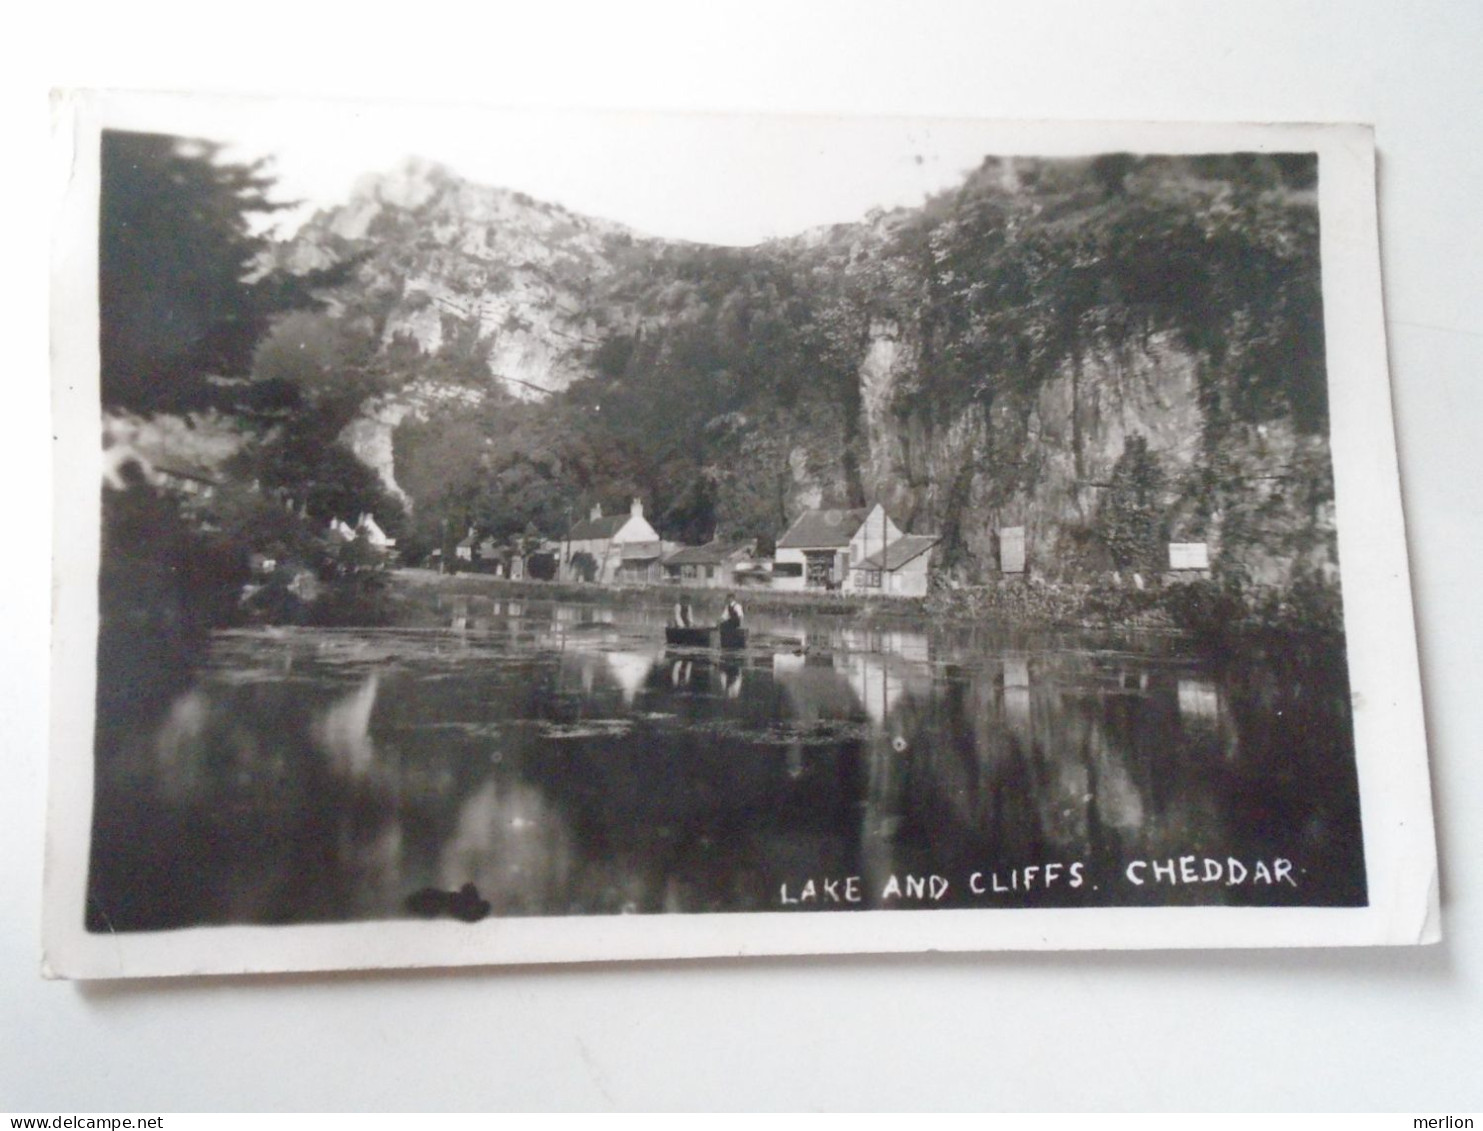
1111, 352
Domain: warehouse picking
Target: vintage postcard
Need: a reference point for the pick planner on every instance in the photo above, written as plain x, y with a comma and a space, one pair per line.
491, 537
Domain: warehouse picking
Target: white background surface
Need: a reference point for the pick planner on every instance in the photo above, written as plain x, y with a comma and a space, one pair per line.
1399, 1030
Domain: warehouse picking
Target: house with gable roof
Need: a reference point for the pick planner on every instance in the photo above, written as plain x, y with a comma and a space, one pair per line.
714, 565
621, 548
902, 569
822, 548
368, 528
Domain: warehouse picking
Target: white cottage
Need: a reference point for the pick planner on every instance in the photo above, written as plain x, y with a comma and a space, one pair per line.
822, 548
368, 528
902, 569
609, 541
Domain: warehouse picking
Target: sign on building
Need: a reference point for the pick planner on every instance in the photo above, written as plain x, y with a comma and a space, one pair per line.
1189, 555
1012, 549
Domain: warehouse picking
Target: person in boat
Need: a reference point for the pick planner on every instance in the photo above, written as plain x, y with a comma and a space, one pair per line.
683, 616
732, 616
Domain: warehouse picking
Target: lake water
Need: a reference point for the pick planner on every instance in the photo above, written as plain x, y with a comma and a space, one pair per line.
564, 761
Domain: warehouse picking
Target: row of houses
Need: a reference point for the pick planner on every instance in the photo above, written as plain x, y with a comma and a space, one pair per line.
859, 550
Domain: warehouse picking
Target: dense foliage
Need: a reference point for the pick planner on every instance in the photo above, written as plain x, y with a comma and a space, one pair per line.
191, 318
182, 296
1032, 265
1131, 520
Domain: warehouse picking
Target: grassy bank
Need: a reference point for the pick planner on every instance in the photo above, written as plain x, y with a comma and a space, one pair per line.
649, 596
1216, 612
1219, 614
1052, 604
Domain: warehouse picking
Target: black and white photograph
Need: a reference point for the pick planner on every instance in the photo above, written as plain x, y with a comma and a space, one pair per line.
516, 537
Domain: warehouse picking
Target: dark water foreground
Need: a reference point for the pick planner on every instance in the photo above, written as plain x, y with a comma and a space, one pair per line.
563, 761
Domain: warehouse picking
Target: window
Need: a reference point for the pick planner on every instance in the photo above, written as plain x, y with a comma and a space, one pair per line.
820, 568
787, 569
872, 578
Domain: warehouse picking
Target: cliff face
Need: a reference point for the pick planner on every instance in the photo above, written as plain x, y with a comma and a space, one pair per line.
1260, 495
996, 358
440, 257
1042, 462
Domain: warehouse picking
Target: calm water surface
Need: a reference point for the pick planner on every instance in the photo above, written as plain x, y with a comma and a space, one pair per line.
563, 760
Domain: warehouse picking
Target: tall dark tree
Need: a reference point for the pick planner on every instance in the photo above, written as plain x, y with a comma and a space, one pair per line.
182, 293
1131, 518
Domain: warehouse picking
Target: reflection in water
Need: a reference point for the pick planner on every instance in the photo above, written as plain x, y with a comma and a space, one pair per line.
629, 670
177, 769
879, 683
784, 663
561, 759
510, 844
1119, 801
343, 730
1199, 702
1016, 671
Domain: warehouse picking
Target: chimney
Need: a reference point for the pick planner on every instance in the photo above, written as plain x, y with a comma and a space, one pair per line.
596, 512
636, 509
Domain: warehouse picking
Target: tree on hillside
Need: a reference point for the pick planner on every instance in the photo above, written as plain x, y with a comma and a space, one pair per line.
313, 351
181, 292
1131, 518
324, 480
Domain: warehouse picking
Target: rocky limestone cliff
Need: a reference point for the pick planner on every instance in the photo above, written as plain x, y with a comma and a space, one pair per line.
979, 363
439, 254
370, 434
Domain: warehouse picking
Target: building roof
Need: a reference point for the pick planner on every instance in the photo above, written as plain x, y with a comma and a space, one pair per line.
593, 529
368, 526
823, 530
712, 553
905, 549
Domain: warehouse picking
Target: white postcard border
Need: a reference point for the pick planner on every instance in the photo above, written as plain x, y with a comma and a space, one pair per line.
1389, 730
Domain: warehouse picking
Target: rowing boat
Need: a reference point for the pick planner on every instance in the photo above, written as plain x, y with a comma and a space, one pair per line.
697, 637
